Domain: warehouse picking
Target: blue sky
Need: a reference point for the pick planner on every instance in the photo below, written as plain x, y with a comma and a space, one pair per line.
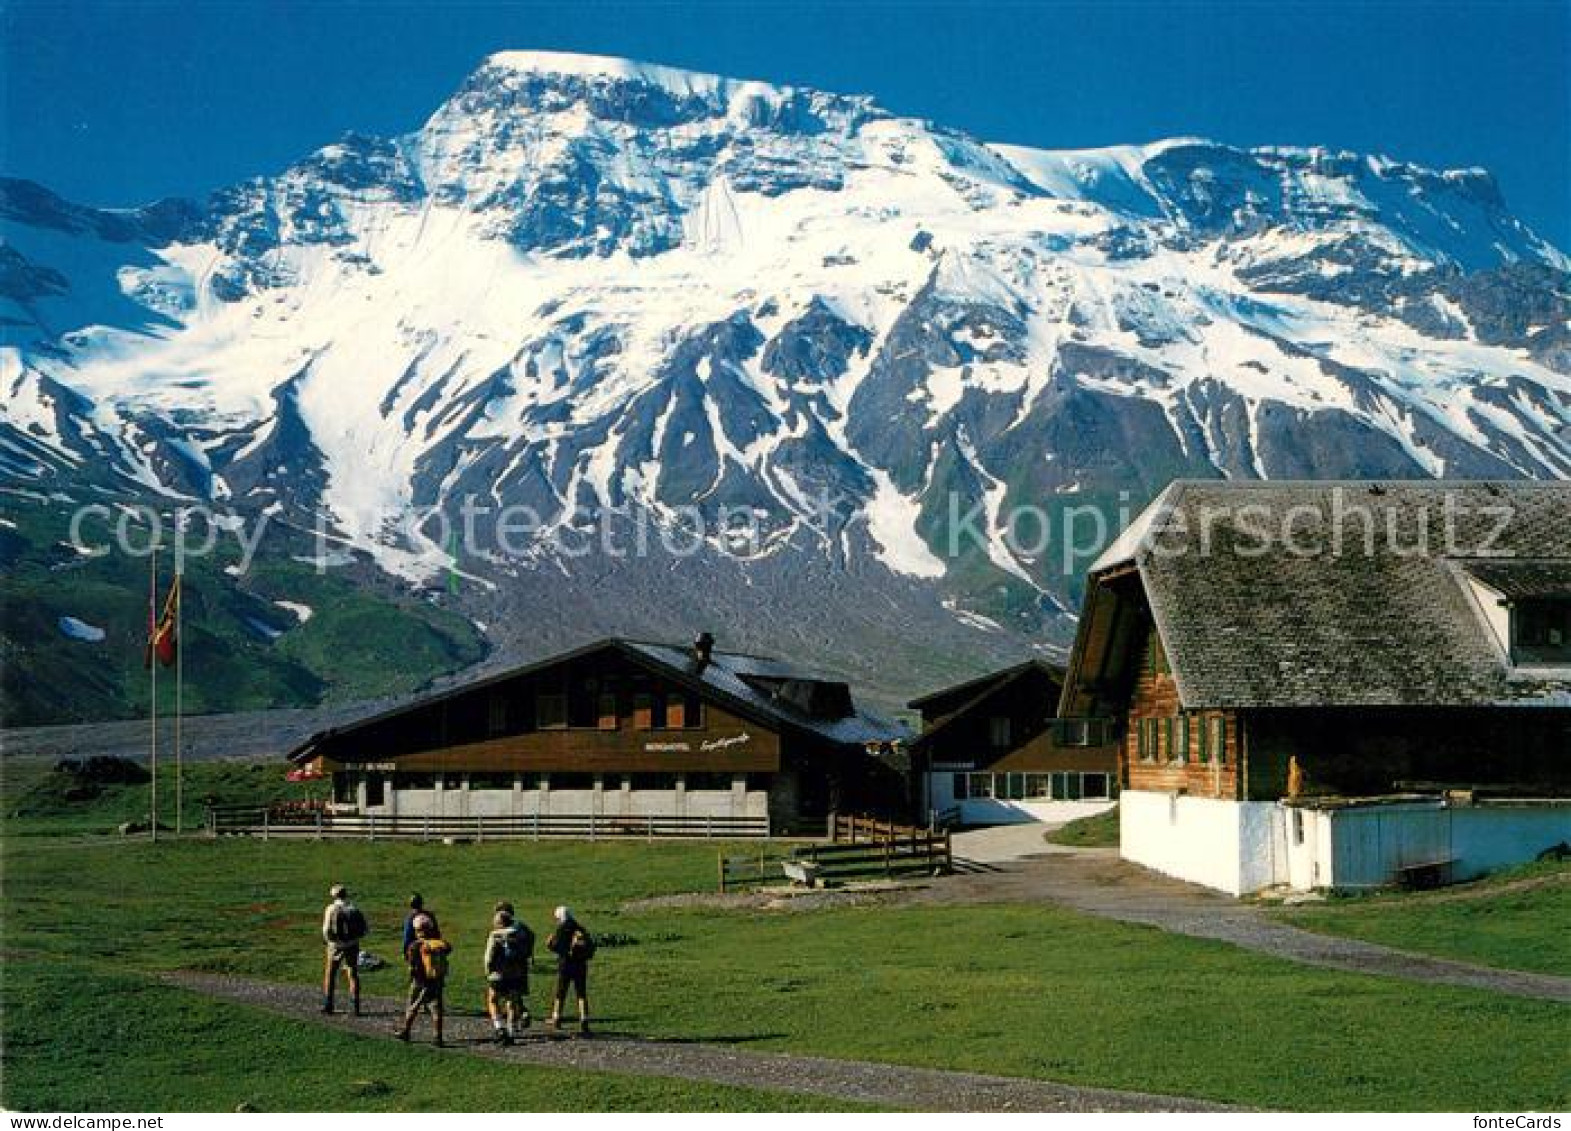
121, 103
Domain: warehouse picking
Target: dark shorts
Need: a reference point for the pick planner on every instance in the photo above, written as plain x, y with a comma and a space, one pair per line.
576, 976
509, 987
344, 954
425, 995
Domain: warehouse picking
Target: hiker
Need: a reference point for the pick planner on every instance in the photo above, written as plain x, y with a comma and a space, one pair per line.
427, 958
507, 954
573, 947
417, 908
343, 926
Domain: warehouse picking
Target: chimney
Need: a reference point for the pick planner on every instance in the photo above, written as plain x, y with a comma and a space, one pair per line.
704, 648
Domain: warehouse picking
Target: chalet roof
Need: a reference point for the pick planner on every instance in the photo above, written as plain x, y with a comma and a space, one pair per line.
984, 689
986, 682
721, 678
1250, 624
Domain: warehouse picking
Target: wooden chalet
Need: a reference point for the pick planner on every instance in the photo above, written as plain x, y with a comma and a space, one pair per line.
1386, 697
991, 750
622, 729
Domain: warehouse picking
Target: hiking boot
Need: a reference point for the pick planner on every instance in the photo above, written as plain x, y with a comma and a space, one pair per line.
505, 1039
327, 1005
401, 1035
583, 1028
523, 1022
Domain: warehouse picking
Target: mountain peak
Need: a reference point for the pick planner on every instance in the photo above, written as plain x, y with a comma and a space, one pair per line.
612, 68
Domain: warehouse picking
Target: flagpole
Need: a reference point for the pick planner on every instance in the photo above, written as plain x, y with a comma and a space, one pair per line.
179, 697
152, 667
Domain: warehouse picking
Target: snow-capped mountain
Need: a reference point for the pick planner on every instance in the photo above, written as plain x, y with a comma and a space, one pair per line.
587, 285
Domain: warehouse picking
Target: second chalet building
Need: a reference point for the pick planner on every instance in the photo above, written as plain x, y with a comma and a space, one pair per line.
622, 729
1335, 684
991, 751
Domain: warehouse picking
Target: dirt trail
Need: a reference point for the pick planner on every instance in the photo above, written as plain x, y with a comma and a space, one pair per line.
885, 1085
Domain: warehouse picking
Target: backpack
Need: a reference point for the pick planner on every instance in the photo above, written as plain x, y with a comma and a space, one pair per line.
581, 948
348, 925
433, 959
514, 946
355, 927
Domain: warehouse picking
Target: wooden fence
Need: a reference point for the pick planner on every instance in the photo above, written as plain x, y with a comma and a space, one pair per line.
268, 823
859, 848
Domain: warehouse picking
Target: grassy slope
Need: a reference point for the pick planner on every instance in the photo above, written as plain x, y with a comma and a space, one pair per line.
356, 644
1034, 991
1099, 831
1516, 920
35, 796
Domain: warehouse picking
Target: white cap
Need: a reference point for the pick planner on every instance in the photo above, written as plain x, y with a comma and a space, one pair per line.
563, 913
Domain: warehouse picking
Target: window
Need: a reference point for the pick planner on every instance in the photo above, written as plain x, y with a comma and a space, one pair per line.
491, 781
1060, 787
1219, 739
1073, 782
1093, 787
958, 786
346, 788
559, 782
1166, 740
1205, 739
1298, 826
583, 705
1541, 631
759, 783
692, 712
402, 782
608, 719
654, 781
496, 714
998, 732
643, 711
532, 780
1012, 786
373, 790
551, 711
708, 781
1155, 657
1181, 738
1038, 786
981, 785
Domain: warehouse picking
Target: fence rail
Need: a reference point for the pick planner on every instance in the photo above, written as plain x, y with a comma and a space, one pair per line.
267, 823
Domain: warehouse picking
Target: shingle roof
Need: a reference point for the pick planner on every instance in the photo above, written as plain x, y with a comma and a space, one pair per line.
982, 684
1250, 625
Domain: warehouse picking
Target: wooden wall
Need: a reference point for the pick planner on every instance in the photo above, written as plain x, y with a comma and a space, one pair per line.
1162, 743
495, 728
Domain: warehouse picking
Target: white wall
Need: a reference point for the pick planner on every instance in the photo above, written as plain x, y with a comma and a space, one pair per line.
1199, 839
1245, 846
612, 800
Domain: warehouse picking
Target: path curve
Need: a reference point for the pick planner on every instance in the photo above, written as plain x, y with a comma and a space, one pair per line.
1097, 882
887, 1085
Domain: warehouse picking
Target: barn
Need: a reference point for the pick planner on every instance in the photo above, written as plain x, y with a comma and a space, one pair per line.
1335, 685
623, 730
992, 752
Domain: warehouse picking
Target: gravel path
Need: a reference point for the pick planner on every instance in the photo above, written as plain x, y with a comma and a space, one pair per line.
1097, 882
886, 1085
